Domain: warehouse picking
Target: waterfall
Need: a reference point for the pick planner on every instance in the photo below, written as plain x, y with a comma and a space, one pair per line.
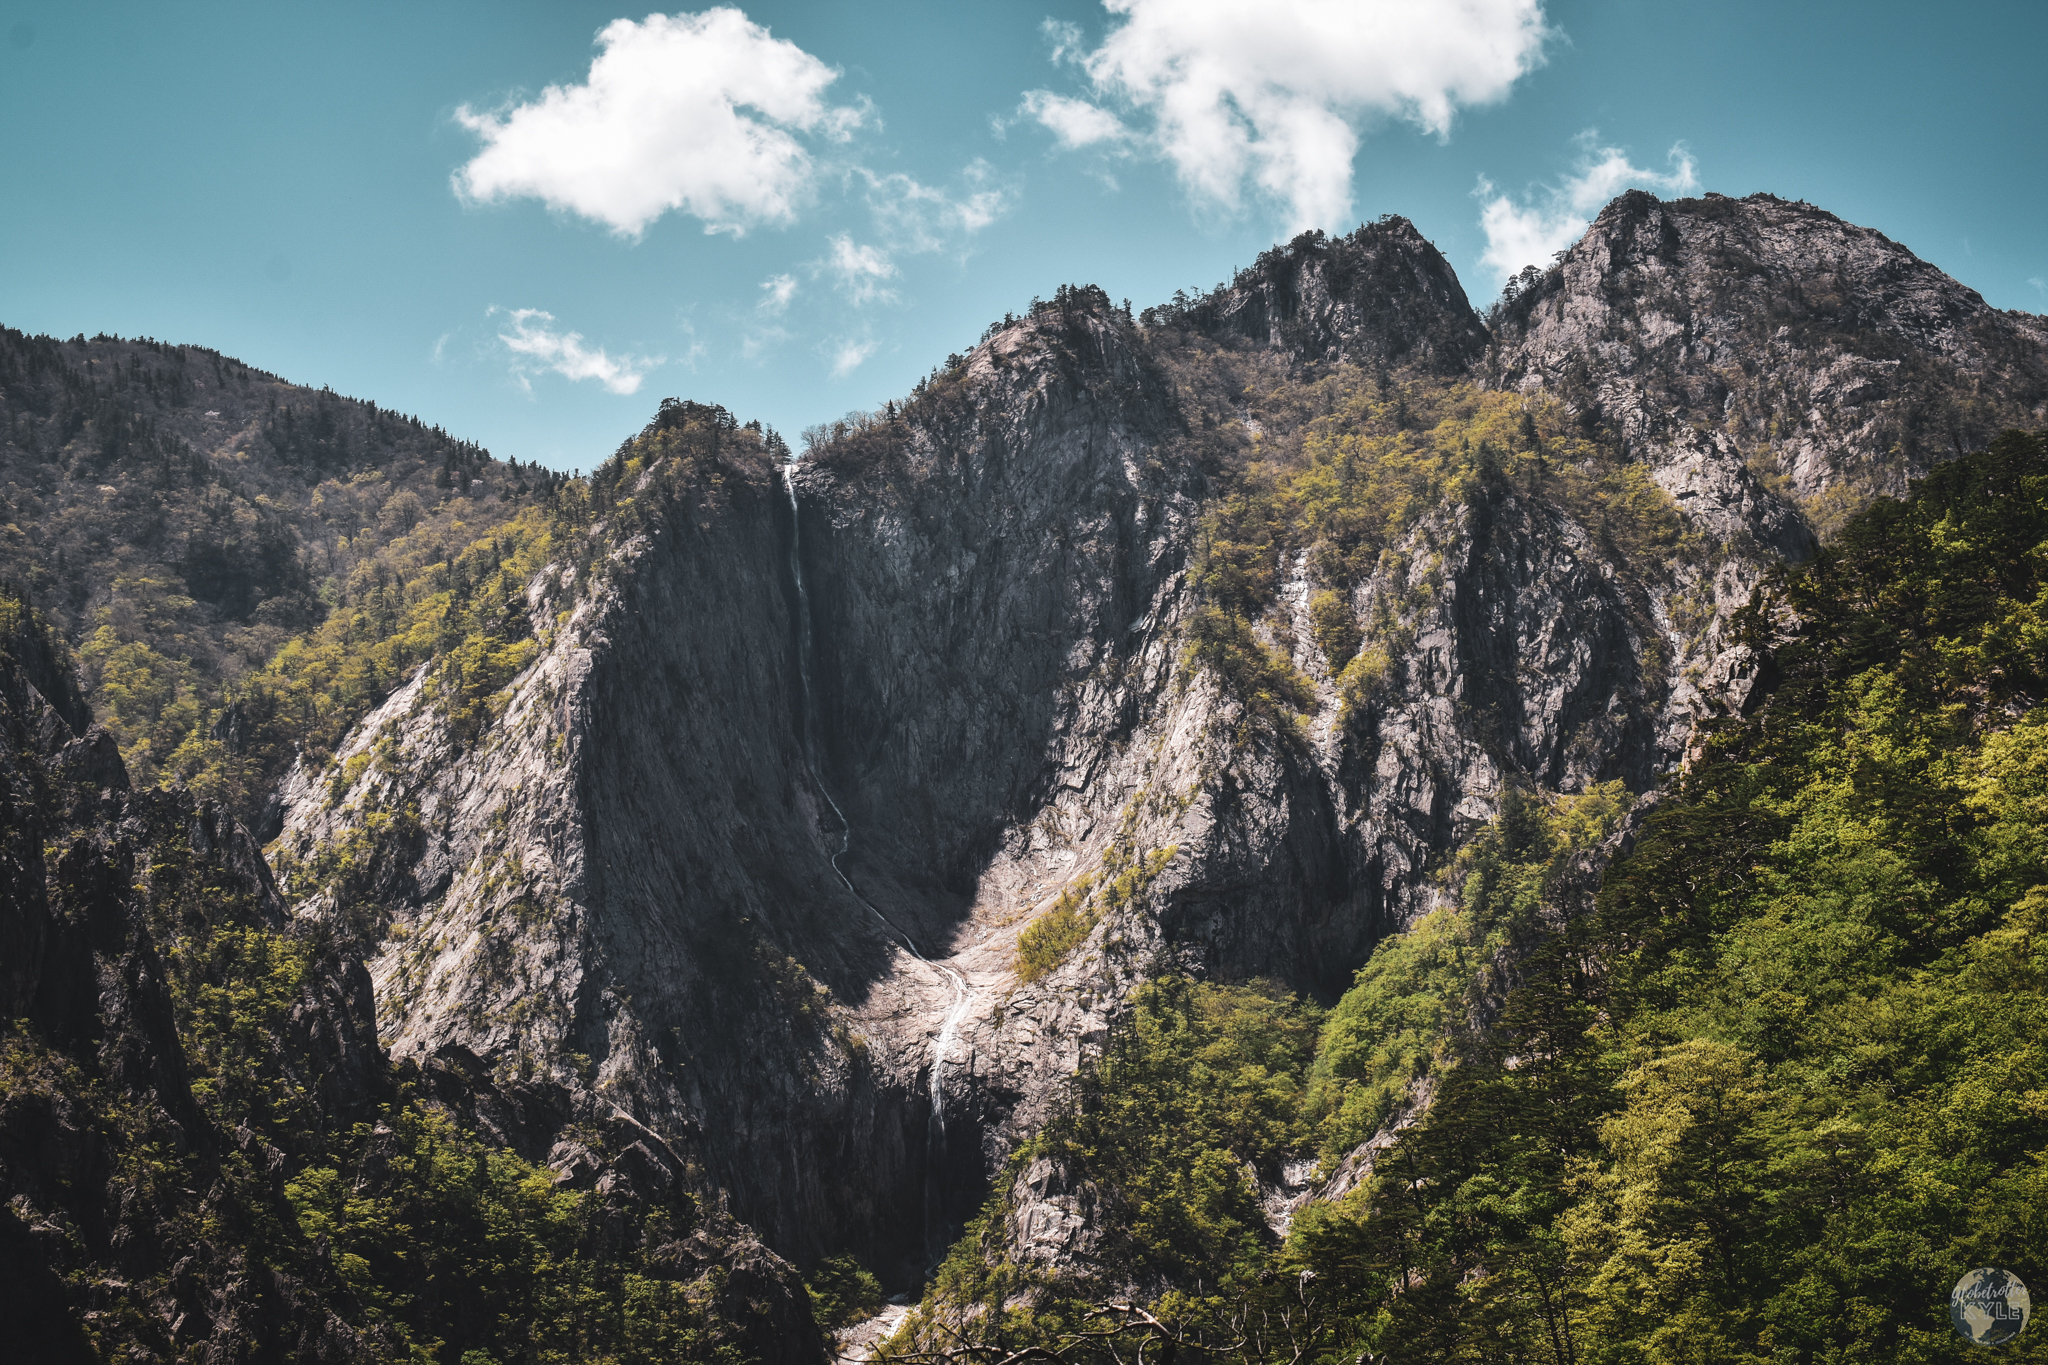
935, 1123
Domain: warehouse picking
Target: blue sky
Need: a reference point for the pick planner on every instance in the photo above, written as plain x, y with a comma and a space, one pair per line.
385, 198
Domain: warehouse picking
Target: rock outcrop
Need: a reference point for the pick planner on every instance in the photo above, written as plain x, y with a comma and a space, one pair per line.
179, 1045
622, 893
1764, 356
1382, 297
599, 903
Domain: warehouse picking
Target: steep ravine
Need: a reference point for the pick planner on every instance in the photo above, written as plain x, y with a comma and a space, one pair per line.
621, 898
935, 1085
733, 884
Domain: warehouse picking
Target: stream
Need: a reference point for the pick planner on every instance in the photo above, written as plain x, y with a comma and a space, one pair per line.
949, 1027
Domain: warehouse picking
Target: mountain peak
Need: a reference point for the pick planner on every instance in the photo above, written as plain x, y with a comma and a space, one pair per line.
1829, 358
1382, 296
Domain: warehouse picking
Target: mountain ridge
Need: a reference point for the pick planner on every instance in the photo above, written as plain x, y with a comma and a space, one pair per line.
1859, 363
1124, 667
919, 495
182, 516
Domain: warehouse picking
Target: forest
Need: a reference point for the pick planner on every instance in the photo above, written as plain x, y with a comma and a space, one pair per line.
180, 573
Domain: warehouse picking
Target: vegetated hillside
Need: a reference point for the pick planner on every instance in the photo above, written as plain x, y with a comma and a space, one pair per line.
180, 516
1021, 714
1763, 1095
205, 1153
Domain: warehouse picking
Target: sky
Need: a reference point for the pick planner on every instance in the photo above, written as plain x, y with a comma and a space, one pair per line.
529, 222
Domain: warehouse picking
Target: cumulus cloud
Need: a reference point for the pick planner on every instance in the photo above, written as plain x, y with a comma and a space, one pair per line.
696, 113
1530, 233
776, 292
1075, 123
538, 345
847, 355
861, 271
1271, 96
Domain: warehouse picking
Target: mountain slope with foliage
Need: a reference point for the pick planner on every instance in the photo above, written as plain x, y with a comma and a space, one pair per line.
1761, 356
205, 1154
1764, 1097
1131, 659
180, 516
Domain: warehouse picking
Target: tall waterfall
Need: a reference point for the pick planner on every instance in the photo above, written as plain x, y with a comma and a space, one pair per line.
949, 1026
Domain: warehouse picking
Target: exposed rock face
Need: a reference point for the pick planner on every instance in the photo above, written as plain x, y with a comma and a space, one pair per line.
595, 904
1379, 298
1029, 518
1050, 528
1761, 354
1053, 1217
619, 901
139, 1221
621, 896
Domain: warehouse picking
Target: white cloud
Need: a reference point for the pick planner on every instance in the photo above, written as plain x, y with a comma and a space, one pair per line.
1067, 42
538, 345
847, 356
1272, 95
861, 270
696, 113
1525, 234
776, 292
916, 217
1076, 123
759, 342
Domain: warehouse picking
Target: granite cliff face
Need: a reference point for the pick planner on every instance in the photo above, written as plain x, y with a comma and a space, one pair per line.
620, 899
597, 901
1379, 298
186, 1060
1764, 356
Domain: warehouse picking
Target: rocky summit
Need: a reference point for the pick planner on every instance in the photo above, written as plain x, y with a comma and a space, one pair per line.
766, 849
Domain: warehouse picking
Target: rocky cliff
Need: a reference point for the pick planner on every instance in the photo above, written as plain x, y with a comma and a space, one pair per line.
600, 899
967, 661
1379, 298
189, 1070
1764, 356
